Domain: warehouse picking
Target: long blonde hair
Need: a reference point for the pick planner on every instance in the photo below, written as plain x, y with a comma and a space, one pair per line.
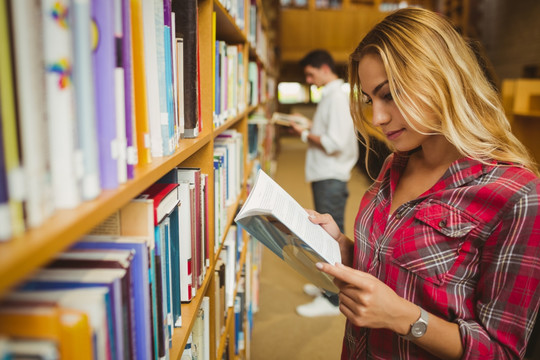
430, 66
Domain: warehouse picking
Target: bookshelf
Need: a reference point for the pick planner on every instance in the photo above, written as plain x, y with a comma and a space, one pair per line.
24, 254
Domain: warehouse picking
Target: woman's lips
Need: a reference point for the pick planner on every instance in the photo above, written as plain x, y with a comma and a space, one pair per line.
391, 135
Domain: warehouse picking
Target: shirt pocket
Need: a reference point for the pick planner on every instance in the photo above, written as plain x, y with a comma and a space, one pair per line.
431, 244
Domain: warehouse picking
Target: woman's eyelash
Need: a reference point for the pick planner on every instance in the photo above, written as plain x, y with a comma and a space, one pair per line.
388, 97
366, 100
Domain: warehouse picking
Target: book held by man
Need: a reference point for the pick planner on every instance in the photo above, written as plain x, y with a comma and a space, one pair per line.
287, 119
274, 218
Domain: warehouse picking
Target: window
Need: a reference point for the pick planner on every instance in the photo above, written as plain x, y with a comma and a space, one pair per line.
292, 93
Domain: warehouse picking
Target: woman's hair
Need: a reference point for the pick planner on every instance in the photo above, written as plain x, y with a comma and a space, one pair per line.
431, 69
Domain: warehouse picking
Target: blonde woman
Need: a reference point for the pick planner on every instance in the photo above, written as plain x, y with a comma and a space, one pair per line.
446, 257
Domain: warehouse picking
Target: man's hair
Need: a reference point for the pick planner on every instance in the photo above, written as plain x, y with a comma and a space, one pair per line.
431, 69
318, 58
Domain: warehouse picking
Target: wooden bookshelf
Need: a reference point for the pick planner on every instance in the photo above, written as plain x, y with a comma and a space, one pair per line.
23, 255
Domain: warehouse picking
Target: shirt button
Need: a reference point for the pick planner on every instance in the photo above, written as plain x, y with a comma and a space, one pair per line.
442, 223
399, 216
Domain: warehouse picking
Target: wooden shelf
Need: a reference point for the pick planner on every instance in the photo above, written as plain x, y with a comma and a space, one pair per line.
22, 255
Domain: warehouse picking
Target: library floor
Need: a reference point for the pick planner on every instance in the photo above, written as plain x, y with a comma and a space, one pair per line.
278, 331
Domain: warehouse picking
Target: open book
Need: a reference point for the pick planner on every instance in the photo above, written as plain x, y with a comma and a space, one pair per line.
287, 119
274, 218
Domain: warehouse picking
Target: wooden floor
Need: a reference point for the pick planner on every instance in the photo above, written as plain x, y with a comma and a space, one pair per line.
278, 332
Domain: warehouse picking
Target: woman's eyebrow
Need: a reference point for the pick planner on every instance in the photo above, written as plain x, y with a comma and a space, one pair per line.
377, 88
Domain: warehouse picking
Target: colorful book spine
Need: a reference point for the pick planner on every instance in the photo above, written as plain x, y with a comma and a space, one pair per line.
120, 94
131, 141
104, 77
84, 97
58, 51
139, 85
169, 73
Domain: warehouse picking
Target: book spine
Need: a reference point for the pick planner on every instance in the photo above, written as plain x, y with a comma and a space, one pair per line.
120, 94
84, 95
186, 25
5, 215
104, 76
60, 99
131, 143
152, 78
139, 85
14, 171
30, 78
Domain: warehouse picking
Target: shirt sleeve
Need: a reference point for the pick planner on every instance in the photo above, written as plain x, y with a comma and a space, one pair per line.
339, 125
507, 292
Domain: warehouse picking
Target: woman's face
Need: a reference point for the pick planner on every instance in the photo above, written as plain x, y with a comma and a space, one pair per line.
386, 114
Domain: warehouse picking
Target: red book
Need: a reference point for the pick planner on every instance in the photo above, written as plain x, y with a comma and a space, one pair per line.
165, 198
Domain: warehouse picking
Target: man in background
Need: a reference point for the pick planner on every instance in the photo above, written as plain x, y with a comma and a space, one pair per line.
331, 155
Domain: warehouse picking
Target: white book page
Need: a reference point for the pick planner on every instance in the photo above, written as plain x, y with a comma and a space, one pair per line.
268, 198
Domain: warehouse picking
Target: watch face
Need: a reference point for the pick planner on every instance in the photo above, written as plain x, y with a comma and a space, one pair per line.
418, 329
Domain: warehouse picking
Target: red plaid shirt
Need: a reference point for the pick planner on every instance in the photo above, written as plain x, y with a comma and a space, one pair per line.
467, 250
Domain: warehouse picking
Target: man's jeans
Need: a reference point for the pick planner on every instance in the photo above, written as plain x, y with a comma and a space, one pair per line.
330, 197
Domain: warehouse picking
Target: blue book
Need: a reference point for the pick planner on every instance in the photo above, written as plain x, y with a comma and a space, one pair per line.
51, 279
174, 244
165, 229
169, 85
139, 275
162, 78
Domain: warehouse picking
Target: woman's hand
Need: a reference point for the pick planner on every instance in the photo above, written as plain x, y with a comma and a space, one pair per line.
346, 245
368, 302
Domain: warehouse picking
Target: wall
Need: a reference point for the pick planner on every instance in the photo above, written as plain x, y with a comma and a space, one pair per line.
510, 32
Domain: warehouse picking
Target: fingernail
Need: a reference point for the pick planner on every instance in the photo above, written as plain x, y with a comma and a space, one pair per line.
319, 266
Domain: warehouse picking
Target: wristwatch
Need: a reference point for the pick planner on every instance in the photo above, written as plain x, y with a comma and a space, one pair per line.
418, 328
304, 135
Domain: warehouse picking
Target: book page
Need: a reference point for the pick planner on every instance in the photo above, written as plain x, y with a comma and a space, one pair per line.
268, 198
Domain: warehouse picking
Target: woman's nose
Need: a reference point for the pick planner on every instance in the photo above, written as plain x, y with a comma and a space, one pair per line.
381, 115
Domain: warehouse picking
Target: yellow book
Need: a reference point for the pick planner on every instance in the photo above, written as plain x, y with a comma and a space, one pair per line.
139, 84
9, 133
69, 328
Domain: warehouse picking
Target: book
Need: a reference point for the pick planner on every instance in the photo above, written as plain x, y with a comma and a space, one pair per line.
139, 245
107, 259
105, 82
142, 122
131, 141
14, 173
152, 68
51, 279
31, 349
186, 27
30, 79
5, 215
83, 81
275, 219
92, 301
287, 119
120, 94
69, 328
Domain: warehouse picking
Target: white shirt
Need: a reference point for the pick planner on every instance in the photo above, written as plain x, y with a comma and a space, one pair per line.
333, 123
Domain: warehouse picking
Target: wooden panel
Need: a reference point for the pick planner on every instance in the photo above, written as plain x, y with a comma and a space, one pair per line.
338, 31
